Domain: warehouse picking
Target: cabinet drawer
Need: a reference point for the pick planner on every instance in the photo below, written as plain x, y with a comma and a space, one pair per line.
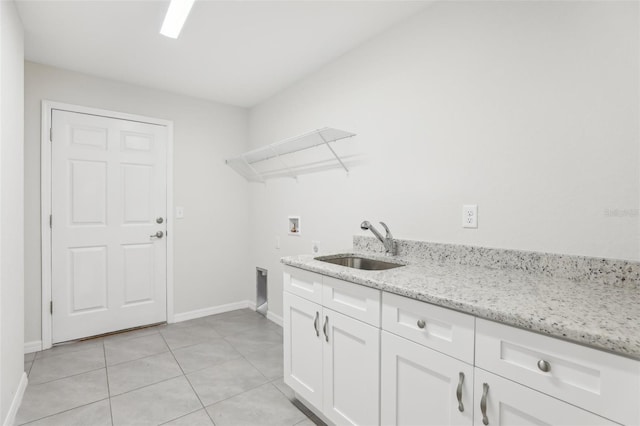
442, 329
354, 300
603, 383
303, 283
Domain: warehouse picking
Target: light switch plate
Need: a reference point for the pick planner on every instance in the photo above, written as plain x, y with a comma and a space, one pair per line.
470, 216
179, 212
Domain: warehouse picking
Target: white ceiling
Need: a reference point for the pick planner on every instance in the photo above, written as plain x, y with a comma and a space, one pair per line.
235, 52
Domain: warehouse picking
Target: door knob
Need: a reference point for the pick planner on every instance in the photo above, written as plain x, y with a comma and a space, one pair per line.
159, 220
158, 234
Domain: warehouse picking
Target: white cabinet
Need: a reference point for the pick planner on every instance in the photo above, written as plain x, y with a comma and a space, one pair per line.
303, 348
435, 366
332, 360
303, 283
422, 382
351, 356
501, 402
420, 386
354, 300
595, 380
438, 328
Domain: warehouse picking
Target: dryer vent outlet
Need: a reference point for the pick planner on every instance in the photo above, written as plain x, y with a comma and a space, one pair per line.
261, 291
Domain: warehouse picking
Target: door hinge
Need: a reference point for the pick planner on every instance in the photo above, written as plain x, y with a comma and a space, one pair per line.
50, 134
51, 307
50, 221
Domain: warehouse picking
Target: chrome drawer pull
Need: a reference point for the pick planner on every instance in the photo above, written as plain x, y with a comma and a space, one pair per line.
483, 404
315, 324
324, 328
459, 392
421, 323
544, 366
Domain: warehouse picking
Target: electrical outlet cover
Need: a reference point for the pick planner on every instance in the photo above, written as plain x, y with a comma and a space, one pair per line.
470, 216
315, 247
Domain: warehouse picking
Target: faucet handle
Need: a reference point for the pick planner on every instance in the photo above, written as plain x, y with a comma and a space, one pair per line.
386, 228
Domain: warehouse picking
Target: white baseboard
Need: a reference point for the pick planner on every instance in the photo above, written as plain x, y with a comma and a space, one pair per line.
17, 400
275, 318
33, 346
199, 313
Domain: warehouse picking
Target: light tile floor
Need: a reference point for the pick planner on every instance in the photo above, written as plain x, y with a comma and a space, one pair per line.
223, 369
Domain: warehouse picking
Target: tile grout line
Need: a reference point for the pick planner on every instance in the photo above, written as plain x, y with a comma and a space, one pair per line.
39, 355
168, 378
185, 415
233, 396
137, 359
145, 386
190, 384
66, 377
106, 368
258, 370
61, 412
43, 359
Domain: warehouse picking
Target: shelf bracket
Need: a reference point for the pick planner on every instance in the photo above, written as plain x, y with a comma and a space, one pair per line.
333, 152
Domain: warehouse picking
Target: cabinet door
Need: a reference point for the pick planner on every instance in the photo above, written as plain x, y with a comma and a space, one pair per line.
510, 403
303, 348
419, 386
351, 370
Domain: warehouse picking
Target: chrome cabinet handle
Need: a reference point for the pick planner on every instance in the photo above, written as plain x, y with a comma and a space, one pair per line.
158, 235
324, 328
544, 366
459, 392
483, 404
315, 324
421, 323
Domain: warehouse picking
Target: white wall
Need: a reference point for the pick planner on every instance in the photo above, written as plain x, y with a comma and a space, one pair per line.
11, 209
528, 109
211, 242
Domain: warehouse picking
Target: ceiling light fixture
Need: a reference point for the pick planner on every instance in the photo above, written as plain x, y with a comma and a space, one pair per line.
176, 16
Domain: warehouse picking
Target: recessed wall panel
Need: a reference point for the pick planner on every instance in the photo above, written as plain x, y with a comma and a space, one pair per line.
138, 273
88, 279
88, 192
138, 190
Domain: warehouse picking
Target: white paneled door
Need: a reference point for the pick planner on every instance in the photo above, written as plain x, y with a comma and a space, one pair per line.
109, 201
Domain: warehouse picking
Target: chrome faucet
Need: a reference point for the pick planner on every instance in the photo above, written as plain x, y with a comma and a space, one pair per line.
389, 243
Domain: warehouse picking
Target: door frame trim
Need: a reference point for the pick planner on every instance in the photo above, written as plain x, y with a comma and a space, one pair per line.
45, 203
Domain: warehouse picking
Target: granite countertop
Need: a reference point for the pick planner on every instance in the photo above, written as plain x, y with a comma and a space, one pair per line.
603, 316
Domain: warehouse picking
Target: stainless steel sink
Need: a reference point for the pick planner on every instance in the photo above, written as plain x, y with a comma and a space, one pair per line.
358, 262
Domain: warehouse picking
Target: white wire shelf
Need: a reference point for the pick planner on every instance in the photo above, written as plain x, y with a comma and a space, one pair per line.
270, 161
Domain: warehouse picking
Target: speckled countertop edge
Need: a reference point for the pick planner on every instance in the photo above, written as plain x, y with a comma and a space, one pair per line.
602, 317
